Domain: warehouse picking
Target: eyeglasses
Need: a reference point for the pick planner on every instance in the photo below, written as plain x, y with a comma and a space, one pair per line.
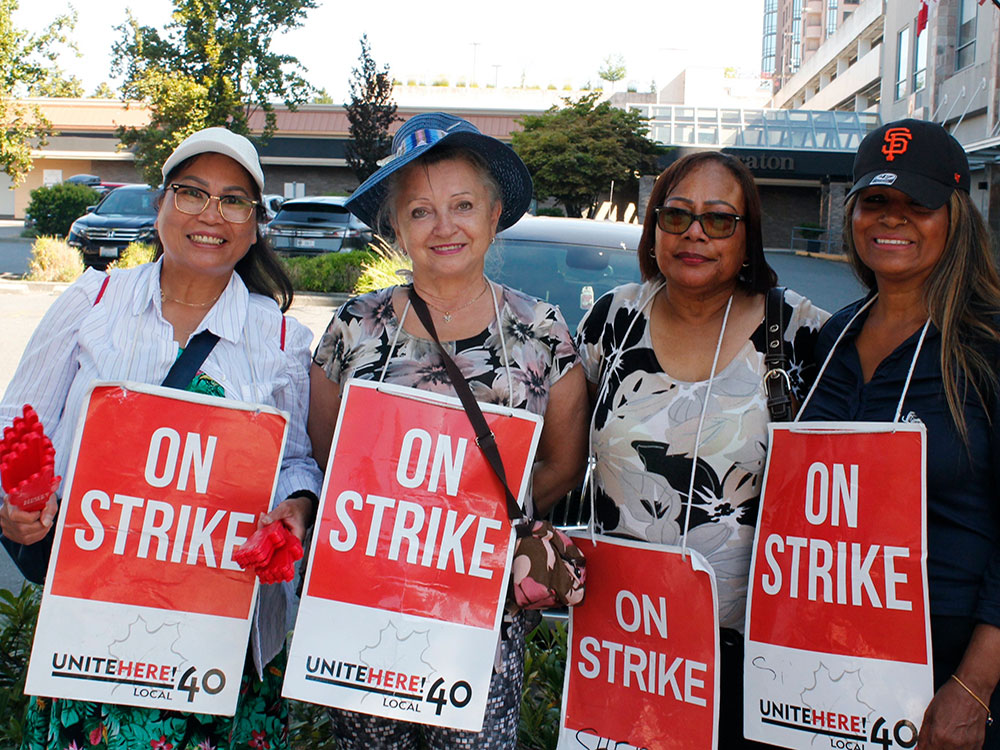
715, 224
192, 200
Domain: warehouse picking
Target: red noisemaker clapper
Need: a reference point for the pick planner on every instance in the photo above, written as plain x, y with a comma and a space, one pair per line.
26, 463
272, 552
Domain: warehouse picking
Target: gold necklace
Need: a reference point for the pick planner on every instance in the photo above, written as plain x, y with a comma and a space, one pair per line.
446, 315
165, 298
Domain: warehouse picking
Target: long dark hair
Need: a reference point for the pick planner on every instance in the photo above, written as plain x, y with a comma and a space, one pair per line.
962, 295
260, 268
759, 276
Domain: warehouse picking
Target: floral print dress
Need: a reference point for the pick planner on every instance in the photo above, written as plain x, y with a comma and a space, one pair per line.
359, 342
260, 723
644, 429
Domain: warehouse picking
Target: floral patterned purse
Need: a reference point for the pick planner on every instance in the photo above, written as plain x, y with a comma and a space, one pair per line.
548, 569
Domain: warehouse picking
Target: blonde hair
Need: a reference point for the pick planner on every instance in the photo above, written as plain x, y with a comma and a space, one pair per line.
962, 295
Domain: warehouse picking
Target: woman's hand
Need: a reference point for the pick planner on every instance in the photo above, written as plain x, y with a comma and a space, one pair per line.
954, 720
295, 512
25, 527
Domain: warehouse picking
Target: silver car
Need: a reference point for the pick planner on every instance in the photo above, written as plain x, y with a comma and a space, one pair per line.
568, 262
312, 226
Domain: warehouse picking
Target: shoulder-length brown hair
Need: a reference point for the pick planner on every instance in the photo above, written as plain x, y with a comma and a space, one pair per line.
758, 277
962, 295
260, 269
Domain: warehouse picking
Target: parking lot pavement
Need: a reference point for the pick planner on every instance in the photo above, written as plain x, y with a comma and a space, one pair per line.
15, 250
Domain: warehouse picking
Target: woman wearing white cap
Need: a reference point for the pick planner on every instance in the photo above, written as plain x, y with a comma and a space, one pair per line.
444, 195
214, 279
925, 342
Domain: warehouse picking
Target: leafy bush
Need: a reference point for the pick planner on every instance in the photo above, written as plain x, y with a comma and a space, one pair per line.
54, 208
135, 254
53, 260
18, 613
330, 272
541, 696
549, 211
383, 270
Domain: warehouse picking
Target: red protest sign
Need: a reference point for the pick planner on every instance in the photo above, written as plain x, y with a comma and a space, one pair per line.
641, 665
838, 557
412, 512
165, 485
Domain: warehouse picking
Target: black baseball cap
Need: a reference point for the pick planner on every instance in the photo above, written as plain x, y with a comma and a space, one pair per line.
917, 157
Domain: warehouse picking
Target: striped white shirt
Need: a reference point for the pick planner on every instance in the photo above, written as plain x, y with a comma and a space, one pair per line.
125, 337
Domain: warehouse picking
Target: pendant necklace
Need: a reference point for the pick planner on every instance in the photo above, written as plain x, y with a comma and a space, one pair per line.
446, 315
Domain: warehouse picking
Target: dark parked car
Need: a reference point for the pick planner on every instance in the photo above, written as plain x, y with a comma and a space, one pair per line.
569, 262
124, 215
90, 180
310, 226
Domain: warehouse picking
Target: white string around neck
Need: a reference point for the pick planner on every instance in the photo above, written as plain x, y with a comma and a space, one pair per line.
836, 343
499, 324
701, 424
588, 480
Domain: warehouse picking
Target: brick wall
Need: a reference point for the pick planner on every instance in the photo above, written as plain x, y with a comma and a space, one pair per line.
785, 207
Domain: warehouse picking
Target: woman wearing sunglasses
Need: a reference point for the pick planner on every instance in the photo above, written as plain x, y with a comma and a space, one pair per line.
214, 273
685, 350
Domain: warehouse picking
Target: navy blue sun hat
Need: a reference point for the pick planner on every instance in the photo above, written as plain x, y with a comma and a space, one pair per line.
426, 131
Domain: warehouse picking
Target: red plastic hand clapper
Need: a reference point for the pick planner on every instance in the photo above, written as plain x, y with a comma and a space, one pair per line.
271, 551
26, 463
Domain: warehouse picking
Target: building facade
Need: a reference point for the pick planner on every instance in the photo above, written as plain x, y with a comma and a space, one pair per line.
936, 60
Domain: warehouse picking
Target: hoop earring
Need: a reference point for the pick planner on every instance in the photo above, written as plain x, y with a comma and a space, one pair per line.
746, 263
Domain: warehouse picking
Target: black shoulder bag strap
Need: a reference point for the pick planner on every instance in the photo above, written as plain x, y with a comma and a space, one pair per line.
777, 382
485, 438
186, 366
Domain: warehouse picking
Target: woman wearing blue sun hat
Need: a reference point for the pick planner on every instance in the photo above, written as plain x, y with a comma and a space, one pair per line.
442, 196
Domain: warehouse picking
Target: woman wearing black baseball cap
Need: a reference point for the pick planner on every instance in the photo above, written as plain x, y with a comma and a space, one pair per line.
929, 329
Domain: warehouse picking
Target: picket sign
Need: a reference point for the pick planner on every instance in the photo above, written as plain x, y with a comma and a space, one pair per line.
410, 558
642, 661
143, 604
838, 647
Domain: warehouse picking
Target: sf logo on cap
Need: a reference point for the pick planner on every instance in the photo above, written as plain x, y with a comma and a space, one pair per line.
896, 142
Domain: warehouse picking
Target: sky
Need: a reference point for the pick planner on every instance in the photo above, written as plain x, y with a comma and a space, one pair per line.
506, 43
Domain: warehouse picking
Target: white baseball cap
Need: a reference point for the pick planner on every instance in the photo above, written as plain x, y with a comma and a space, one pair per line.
218, 141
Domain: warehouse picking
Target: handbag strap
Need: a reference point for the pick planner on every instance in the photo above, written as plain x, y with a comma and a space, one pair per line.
777, 382
185, 367
485, 438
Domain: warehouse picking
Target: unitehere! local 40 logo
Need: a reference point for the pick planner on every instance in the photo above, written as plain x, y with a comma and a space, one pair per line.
144, 604
838, 631
410, 559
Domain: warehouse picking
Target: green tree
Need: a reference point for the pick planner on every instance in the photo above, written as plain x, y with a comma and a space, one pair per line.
57, 84
212, 65
322, 96
612, 69
25, 62
575, 152
371, 111
104, 91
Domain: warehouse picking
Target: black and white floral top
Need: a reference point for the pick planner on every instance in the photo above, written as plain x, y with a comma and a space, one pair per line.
540, 348
644, 432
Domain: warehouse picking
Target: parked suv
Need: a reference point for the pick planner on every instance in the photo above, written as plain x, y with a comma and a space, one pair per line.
311, 226
124, 215
568, 262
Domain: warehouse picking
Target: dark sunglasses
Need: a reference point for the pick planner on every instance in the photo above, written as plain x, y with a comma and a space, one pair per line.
715, 224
